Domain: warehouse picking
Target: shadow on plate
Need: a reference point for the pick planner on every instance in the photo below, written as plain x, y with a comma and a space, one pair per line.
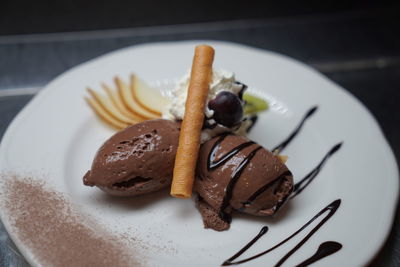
270, 220
148, 200
134, 203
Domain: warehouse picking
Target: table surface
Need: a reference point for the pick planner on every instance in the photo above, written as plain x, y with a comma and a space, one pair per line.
359, 50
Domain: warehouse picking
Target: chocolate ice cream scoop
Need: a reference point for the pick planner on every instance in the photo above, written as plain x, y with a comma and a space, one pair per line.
136, 160
234, 173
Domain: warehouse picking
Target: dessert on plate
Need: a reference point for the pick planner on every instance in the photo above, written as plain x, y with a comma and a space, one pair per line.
194, 141
136, 160
234, 173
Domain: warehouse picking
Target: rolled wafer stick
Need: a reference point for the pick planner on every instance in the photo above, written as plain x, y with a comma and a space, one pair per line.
189, 137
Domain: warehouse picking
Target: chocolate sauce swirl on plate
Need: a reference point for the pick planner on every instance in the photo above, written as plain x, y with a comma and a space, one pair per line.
325, 249
303, 183
284, 143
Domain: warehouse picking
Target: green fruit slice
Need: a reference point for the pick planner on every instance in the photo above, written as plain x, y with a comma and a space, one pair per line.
254, 104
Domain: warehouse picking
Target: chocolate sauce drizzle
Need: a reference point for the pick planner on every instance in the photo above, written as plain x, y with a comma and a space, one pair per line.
325, 249
234, 178
241, 92
209, 125
212, 164
303, 183
282, 145
265, 187
253, 120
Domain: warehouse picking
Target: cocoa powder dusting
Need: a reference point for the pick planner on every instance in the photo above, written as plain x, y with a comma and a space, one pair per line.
56, 234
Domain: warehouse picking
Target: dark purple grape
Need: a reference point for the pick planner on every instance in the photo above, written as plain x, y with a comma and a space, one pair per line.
227, 108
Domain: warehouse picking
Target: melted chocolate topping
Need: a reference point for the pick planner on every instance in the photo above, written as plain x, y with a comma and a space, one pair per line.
282, 145
303, 183
212, 164
231, 185
253, 120
208, 125
265, 187
324, 250
241, 92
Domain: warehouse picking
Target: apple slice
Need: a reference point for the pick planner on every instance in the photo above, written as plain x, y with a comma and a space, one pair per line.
148, 97
108, 106
117, 101
127, 98
104, 115
283, 158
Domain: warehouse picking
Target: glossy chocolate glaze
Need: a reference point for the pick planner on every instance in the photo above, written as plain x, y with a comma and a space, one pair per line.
276, 173
295, 132
326, 250
211, 164
229, 189
303, 183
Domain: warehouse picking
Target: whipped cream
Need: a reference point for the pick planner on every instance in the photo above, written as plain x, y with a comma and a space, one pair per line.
221, 80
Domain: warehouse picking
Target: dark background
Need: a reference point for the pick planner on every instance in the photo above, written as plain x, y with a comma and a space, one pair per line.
354, 43
25, 17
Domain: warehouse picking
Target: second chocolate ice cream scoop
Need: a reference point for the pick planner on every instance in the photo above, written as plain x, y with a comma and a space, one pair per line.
235, 173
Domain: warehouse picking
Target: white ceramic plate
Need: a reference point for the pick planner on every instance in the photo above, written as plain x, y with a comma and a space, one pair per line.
58, 134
